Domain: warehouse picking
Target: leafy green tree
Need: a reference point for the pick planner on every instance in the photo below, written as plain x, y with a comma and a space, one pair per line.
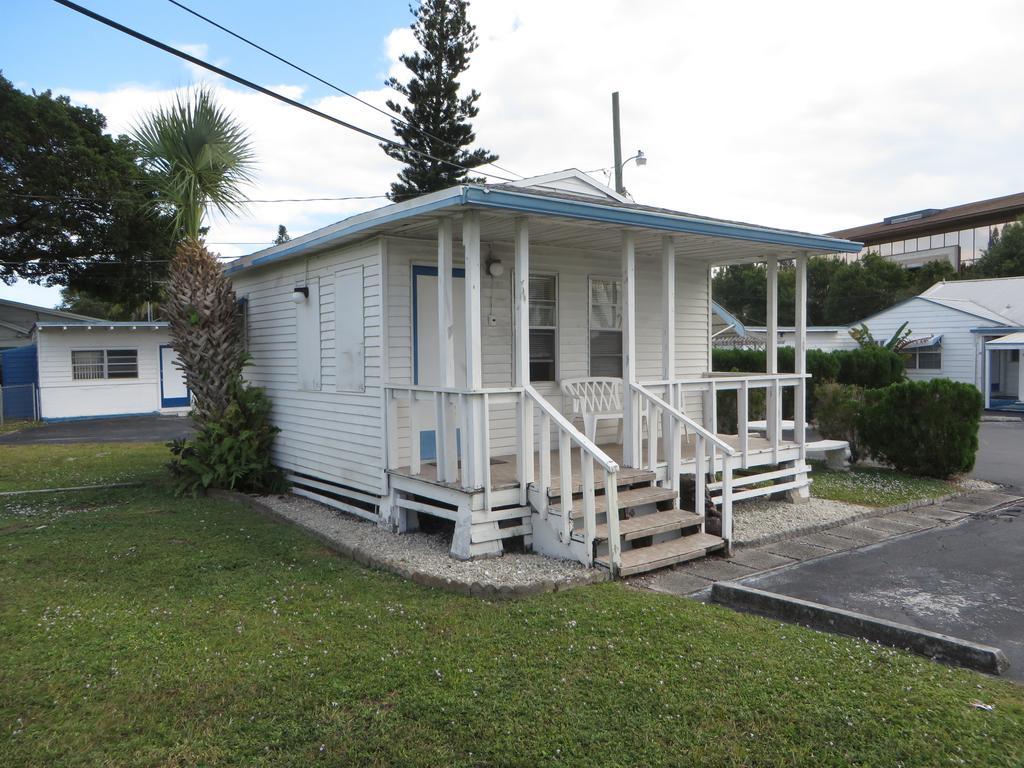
282, 235
435, 120
1004, 256
74, 203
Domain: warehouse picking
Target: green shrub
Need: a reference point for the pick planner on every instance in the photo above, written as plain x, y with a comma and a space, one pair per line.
233, 451
838, 408
869, 367
922, 427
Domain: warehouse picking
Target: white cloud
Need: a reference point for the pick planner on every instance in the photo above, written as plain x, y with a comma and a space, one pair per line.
798, 114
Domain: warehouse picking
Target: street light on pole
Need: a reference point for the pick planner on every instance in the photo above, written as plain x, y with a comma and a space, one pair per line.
640, 157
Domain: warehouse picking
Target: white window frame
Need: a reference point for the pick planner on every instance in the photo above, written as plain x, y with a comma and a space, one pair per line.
105, 353
590, 316
557, 373
913, 362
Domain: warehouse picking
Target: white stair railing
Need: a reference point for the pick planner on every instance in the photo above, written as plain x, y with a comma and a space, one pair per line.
708, 446
570, 439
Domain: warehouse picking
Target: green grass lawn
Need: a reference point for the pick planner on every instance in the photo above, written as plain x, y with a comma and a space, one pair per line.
875, 487
141, 629
15, 425
24, 467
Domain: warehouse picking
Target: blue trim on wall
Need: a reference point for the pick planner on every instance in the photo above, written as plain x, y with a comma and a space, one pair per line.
170, 402
54, 419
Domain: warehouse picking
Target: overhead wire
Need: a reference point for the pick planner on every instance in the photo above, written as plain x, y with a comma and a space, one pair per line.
329, 84
265, 91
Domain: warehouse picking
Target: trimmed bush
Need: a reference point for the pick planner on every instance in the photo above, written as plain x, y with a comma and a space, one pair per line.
838, 407
232, 451
922, 427
869, 367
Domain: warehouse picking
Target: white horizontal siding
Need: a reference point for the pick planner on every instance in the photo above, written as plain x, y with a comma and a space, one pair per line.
574, 268
330, 435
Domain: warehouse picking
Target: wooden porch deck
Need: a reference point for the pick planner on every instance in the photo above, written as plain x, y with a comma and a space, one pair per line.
504, 474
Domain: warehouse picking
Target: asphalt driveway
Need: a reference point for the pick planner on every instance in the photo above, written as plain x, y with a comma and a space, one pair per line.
964, 580
1000, 457
130, 429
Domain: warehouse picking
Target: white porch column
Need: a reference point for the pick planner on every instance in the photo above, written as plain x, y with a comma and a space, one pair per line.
800, 357
521, 305
800, 368
668, 302
630, 416
669, 427
473, 472
445, 436
988, 374
772, 347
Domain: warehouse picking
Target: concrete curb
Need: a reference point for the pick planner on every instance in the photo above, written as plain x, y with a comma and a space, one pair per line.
951, 650
771, 538
370, 559
100, 487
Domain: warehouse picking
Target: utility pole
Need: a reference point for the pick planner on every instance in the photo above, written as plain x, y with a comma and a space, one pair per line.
617, 139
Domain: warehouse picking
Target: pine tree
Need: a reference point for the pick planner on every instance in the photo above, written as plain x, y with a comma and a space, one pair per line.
282, 235
435, 121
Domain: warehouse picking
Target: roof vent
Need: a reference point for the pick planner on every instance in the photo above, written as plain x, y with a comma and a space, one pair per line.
912, 216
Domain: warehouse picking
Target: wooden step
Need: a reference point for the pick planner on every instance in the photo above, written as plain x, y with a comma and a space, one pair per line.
667, 553
647, 525
625, 476
633, 497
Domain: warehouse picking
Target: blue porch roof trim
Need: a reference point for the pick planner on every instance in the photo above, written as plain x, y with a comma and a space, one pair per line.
526, 203
1001, 329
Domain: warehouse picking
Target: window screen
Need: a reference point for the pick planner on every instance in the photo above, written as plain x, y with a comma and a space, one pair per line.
605, 327
104, 364
543, 327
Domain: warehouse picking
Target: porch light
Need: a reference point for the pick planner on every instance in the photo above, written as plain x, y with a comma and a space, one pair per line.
300, 294
495, 268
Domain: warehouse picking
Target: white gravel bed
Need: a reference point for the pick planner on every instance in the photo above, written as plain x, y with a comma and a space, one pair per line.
421, 553
971, 484
757, 519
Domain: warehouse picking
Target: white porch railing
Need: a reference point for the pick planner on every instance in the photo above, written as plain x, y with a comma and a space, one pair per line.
568, 437
677, 391
707, 447
460, 419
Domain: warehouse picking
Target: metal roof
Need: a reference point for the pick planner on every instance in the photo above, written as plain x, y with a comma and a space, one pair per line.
559, 219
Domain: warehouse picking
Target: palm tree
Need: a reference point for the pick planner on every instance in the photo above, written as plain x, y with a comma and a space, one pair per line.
200, 157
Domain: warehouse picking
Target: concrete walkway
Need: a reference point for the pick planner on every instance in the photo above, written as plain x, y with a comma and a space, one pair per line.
698, 575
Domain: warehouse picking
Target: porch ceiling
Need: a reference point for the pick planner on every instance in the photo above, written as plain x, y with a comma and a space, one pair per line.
559, 232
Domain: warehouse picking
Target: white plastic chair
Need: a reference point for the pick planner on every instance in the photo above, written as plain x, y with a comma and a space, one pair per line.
594, 399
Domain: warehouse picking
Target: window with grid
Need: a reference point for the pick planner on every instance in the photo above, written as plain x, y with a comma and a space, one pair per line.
543, 327
605, 327
89, 364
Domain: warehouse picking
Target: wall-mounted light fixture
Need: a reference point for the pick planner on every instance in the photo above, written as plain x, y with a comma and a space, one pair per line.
300, 294
495, 268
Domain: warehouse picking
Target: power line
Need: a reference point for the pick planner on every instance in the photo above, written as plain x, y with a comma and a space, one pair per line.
338, 88
82, 198
259, 88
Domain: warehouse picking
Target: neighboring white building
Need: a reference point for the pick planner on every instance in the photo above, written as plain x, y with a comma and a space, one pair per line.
950, 324
105, 368
17, 320
416, 357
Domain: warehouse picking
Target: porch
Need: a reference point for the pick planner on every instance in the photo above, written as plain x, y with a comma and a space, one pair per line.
492, 443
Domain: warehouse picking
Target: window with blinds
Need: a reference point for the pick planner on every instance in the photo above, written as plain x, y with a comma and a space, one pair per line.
543, 327
89, 364
605, 327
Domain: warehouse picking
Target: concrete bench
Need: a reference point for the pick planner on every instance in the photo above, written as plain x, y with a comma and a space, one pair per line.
835, 453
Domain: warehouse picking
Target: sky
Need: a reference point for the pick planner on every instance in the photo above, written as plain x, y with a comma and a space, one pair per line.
804, 115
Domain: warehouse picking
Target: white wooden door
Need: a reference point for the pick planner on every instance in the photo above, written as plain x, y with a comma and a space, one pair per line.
173, 391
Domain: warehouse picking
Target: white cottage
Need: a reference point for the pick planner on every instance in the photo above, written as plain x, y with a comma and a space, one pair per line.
474, 353
103, 368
